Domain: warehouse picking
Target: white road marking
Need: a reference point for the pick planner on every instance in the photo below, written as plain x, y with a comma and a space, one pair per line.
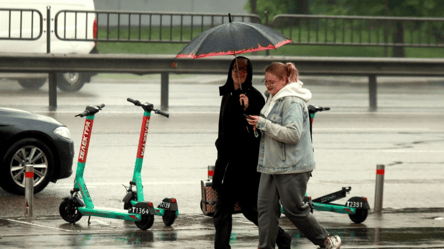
355, 129
195, 111
120, 184
101, 222
410, 151
38, 225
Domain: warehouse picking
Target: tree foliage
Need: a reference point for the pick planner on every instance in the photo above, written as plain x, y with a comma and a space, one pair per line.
277, 7
399, 8
407, 8
393, 8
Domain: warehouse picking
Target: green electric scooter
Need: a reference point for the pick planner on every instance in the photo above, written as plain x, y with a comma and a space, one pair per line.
141, 212
168, 207
356, 207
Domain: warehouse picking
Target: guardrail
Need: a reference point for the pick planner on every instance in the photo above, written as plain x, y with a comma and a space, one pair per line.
167, 64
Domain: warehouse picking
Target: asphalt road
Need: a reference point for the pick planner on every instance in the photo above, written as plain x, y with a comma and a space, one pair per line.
405, 134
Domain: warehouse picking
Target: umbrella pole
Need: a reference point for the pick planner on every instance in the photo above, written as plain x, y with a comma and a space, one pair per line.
238, 75
234, 49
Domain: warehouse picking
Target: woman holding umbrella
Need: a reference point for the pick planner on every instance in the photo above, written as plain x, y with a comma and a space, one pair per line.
235, 176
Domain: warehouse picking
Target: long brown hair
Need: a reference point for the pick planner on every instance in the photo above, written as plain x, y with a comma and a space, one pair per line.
287, 71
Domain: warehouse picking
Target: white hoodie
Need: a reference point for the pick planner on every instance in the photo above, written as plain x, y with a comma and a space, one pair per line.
291, 89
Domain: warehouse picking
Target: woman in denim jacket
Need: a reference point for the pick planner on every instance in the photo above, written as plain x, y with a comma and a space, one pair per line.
286, 158
235, 176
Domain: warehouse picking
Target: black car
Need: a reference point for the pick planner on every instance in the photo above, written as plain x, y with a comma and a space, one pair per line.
31, 139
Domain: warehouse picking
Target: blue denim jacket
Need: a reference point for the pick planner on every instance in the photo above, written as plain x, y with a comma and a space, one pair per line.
285, 146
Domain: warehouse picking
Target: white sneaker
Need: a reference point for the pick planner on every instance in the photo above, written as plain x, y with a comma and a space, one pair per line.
332, 242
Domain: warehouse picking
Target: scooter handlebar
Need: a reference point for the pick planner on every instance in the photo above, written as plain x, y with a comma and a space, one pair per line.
148, 107
162, 113
135, 102
90, 110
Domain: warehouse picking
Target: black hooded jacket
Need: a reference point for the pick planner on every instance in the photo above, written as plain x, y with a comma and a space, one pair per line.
237, 147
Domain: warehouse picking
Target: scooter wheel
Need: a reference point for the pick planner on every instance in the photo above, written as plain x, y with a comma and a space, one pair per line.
146, 222
359, 216
69, 212
127, 205
169, 217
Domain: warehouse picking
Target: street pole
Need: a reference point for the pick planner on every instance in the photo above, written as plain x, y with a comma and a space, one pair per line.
379, 190
52, 77
29, 191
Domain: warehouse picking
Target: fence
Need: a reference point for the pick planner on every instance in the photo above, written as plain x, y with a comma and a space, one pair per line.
20, 24
182, 27
138, 27
361, 30
162, 27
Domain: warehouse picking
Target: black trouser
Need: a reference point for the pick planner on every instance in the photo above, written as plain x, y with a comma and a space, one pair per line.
222, 218
226, 199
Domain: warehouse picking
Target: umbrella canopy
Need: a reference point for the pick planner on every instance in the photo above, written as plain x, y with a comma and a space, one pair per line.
233, 38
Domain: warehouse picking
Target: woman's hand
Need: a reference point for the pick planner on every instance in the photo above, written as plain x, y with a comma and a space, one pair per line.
253, 120
243, 99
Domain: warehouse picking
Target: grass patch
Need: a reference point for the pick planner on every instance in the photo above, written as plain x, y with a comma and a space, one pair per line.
314, 33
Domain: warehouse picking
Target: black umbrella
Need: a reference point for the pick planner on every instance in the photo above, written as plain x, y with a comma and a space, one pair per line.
233, 38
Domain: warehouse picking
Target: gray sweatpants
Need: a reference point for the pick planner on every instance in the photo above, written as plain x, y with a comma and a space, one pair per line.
290, 190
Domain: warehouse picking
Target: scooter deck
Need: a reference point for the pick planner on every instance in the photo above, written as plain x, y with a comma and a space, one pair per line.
110, 213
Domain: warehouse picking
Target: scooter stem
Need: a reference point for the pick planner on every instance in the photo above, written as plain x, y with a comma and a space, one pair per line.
143, 134
84, 144
79, 182
137, 176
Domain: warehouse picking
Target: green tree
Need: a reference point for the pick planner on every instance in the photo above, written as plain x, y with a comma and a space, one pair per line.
397, 8
277, 7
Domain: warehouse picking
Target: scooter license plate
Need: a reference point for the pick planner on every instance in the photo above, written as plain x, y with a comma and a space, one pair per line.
138, 210
165, 205
355, 204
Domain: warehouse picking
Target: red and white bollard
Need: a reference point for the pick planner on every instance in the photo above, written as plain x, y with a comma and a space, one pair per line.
29, 191
380, 171
210, 172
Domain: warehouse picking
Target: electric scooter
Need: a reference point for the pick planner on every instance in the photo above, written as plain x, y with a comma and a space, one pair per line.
168, 208
356, 207
73, 208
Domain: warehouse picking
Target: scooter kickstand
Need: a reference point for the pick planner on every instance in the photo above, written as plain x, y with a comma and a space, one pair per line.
89, 222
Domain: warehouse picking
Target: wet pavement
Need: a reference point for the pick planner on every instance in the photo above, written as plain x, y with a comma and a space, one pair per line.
407, 229
405, 134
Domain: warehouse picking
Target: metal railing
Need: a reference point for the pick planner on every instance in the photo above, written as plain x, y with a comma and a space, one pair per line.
361, 30
182, 27
168, 64
428, 33
20, 24
143, 27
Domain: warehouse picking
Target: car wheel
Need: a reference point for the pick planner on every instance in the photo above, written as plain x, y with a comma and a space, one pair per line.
25, 152
31, 83
70, 82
